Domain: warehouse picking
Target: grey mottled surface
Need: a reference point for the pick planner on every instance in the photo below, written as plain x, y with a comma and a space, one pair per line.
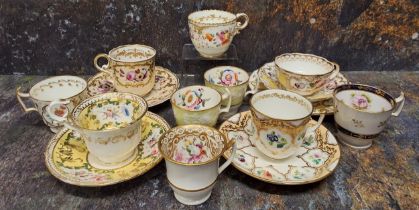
382, 177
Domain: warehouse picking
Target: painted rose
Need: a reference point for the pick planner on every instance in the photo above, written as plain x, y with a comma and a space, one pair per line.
229, 77
360, 101
192, 99
130, 76
104, 86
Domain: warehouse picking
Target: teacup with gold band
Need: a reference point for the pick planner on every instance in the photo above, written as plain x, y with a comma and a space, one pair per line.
304, 74
212, 31
199, 105
70, 88
109, 124
232, 78
362, 112
131, 68
281, 122
192, 154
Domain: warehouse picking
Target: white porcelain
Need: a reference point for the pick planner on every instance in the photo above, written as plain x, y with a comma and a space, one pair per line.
281, 121
212, 31
362, 112
131, 68
199, 105
304, 74
232, 78
192, 154
109, 124
70, 88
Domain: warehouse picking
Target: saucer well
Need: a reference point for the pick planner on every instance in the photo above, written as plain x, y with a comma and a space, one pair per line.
66, 156
316, 159
166, 84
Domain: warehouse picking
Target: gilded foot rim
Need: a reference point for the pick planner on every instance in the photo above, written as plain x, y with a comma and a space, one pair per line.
166, 84
315, 160
66, 156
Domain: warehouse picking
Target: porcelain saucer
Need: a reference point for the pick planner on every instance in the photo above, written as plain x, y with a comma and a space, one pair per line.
166, 84
316, 159
66, 156
267, 75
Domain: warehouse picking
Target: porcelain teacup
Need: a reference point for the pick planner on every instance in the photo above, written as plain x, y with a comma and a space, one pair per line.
281, 122
192, 154
199, 105
232, 78
362, 112
304, 74
70, 88
109, 124
212, 31
131, 68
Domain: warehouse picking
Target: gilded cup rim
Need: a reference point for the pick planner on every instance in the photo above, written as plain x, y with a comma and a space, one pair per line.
132, 45
371, 89
252, 107
57, 77
193, 21
103, 96
214, 158
234, 68
330, 70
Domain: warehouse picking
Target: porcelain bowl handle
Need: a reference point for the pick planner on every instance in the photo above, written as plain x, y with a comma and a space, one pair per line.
230, 144
226, 95
400, 103
241, 25
105, 67
335, 71
317, 125
256, 89
19, 96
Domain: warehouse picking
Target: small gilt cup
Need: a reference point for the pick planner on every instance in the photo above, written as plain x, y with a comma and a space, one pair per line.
109, 124
281, 122
69, 88
304, 74
212, 31
192, 154
361, 113
199, 105
131, 68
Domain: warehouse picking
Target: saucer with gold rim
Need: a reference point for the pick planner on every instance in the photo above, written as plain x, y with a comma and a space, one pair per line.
166, 84
66, 156
316, 159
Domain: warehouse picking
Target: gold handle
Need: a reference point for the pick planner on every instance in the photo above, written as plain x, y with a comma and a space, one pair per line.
104, 68
241, 25
19, 96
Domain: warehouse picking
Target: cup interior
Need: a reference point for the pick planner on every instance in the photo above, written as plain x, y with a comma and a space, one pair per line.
211, 17
59, 87
192, 144
196, 98
226, 76
280, 104
132, 53
364, 98
304, 64
109, 111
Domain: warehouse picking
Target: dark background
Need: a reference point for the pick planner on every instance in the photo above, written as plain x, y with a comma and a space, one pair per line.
50, 37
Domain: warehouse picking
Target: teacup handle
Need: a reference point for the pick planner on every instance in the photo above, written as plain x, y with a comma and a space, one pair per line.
104, 68
400, 103
241, 25
226, 95
317, 125
63, 118
335, 71
256, 87
19, 96
230, 144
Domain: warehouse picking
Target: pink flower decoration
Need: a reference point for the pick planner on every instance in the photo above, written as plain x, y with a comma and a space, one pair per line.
360, 101
228, 77
131, 75
179, 157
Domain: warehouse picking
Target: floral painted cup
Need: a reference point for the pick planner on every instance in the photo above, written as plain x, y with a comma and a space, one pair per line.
109, 124
199, 105
304, 74
70, 88
131, 68
362, 112
192, 154
212, 31
232, 78
281, 121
